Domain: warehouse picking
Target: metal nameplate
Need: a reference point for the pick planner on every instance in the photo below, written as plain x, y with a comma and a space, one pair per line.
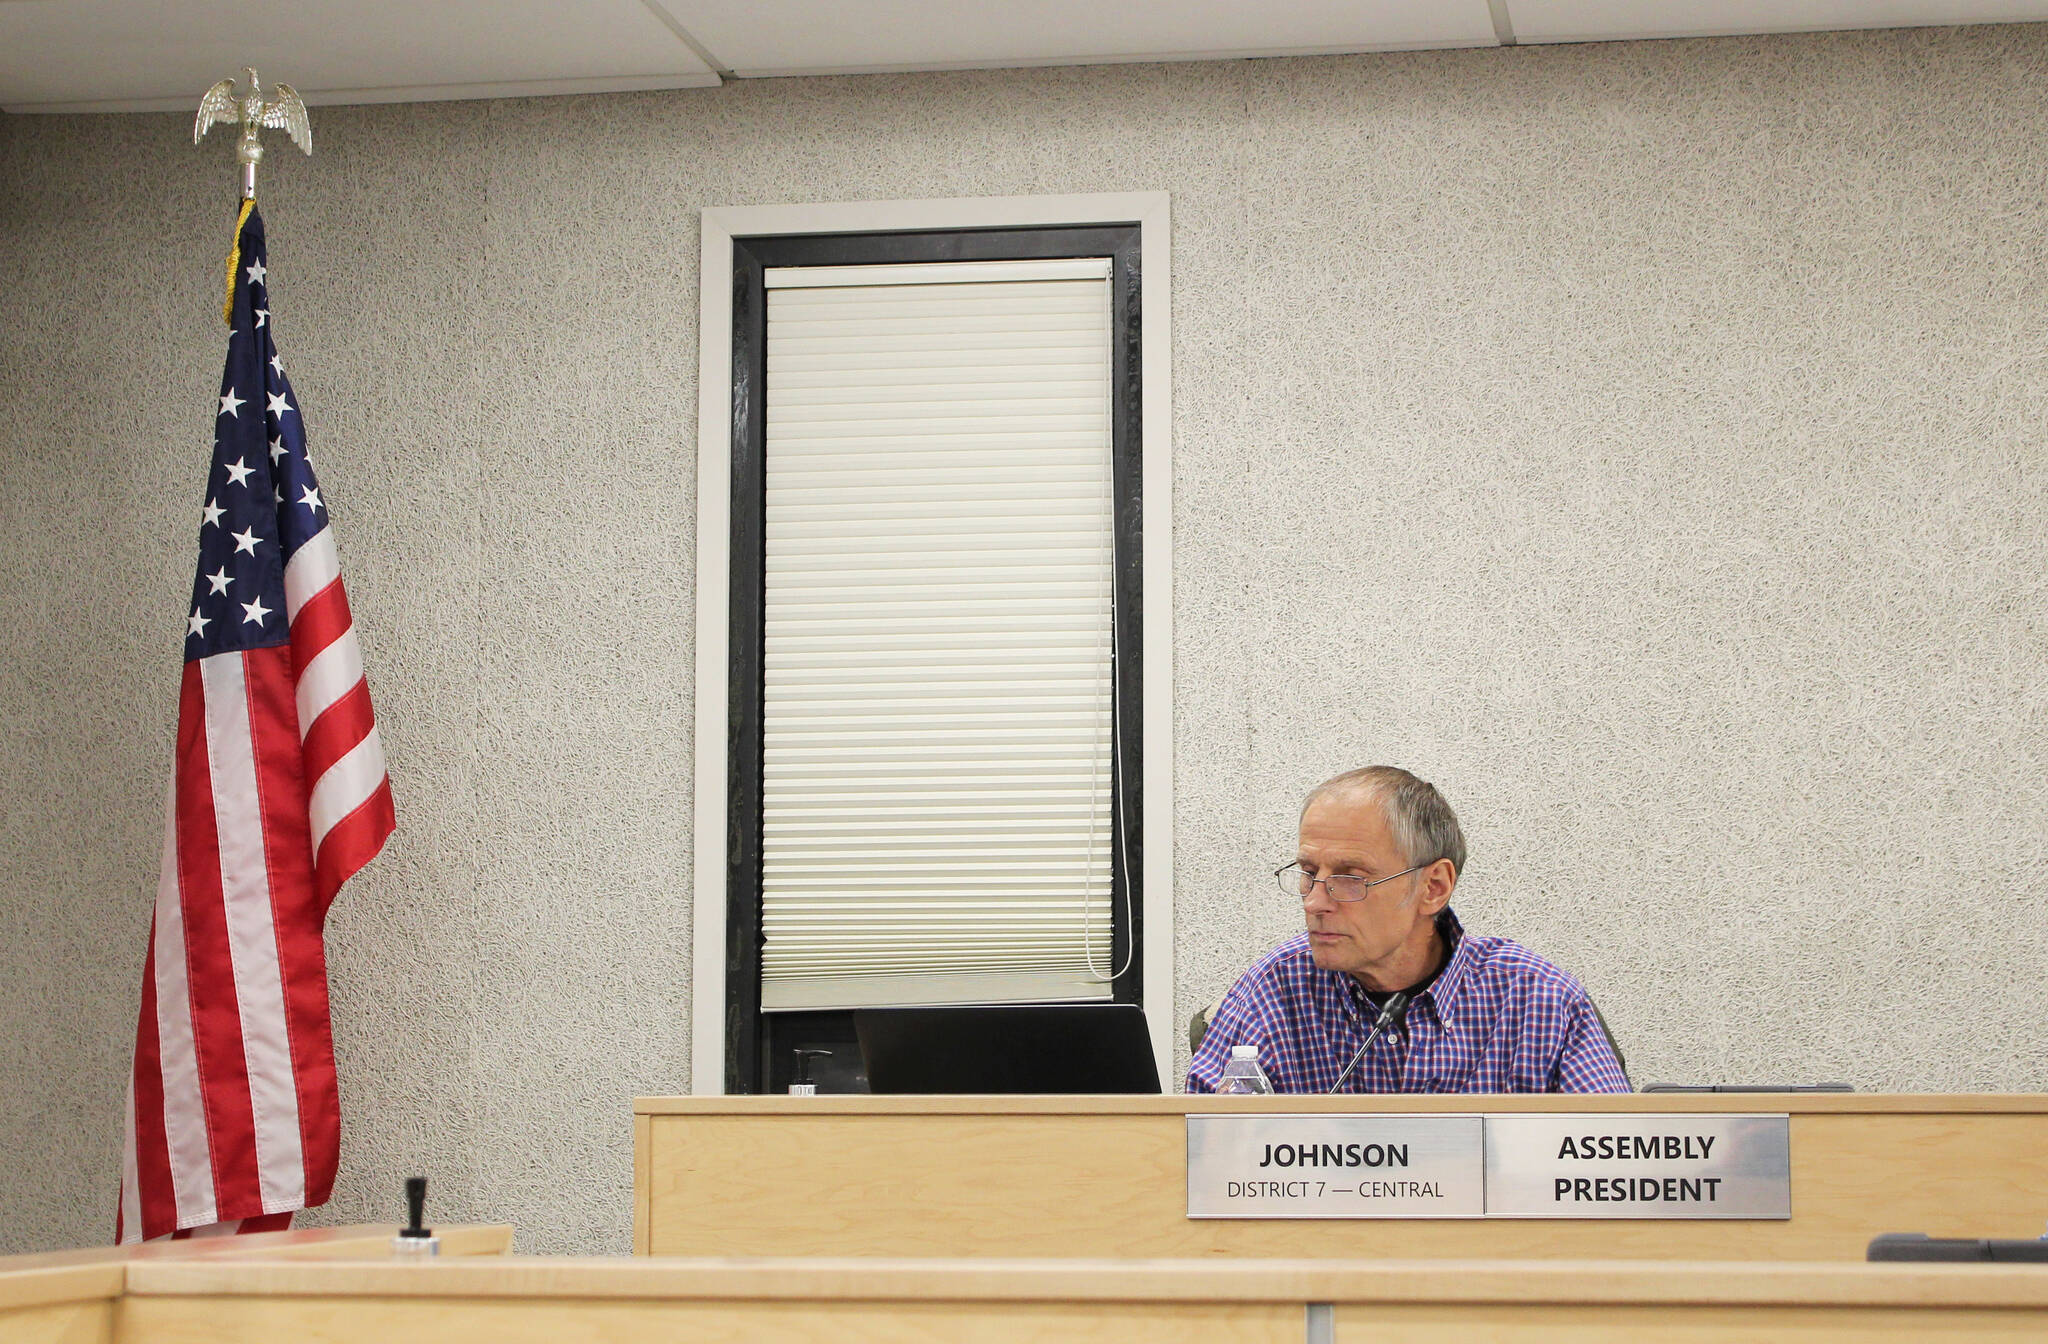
1336, 1166
1638, 1166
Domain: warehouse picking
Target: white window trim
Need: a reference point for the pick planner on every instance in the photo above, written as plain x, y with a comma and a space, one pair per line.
714, 547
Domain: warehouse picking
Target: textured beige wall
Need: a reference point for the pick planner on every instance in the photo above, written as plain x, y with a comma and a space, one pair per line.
1645, 441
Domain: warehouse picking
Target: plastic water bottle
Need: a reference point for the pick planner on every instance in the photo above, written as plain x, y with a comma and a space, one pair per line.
1242, 1074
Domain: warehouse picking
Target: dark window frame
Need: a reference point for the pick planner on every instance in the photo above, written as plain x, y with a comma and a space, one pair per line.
755, 1059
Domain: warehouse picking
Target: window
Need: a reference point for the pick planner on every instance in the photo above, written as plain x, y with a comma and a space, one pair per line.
933, 731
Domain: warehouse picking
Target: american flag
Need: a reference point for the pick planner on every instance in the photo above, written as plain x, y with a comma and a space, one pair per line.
278, 795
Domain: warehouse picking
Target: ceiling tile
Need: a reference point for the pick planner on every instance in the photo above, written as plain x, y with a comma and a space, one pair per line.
134, 51
1598, 20
771, 37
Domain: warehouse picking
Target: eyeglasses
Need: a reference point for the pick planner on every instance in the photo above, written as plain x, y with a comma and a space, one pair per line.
1299, 882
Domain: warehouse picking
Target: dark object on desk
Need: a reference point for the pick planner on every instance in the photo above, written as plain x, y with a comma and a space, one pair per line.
1920, 1246
1043, 1048
803, 1085
1747, 1087
416, 1208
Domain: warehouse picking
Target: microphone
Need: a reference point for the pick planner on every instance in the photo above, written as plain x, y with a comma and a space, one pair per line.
1396, 1009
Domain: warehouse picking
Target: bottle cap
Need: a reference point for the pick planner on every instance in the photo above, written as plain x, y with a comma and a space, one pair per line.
1250, 1052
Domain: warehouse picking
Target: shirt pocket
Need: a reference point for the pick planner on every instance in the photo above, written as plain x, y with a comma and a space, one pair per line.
1447, 1062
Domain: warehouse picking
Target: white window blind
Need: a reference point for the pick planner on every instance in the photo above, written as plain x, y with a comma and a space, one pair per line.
937, 778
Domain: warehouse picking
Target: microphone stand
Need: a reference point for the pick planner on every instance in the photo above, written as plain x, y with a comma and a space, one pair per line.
1396, 1007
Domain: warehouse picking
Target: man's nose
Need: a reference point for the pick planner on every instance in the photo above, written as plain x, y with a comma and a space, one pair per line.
1317, 897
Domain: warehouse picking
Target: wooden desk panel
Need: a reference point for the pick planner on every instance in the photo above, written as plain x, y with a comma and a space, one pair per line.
351, 1320
1106, 1176
596, 1301
73, 1297
58, 1303
231, 1293
1497, 1323
59, 1323
794, 1301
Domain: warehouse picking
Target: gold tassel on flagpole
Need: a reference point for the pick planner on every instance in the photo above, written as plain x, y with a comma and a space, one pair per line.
227, 308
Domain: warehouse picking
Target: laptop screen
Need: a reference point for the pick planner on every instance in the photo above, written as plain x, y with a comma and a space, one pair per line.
1034, 1048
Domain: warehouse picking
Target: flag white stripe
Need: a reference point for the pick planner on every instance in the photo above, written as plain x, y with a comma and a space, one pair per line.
333, 673
312, 567
191, 1151
252, 933
346, 786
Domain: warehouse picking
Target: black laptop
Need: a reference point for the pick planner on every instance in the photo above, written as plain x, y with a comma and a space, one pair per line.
1035, 1048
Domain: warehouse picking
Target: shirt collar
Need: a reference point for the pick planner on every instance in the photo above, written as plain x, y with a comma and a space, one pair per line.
1440, 990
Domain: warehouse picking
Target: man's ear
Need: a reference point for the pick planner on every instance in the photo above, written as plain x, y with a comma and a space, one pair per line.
1438, 880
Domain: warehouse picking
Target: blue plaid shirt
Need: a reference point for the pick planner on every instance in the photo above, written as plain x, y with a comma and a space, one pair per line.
1498, 1018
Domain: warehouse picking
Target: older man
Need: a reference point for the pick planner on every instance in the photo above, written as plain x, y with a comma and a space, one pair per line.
1379, 856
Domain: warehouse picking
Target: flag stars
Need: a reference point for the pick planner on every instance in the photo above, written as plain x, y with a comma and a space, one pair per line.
254, 611
262, 315
213, 513
277, 450
256, 273
277, 364
239, 474
198, 623
245, 541
220, 579
311, 499
277, 405
228, 402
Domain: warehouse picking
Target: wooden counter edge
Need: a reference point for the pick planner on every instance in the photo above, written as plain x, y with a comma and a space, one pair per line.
51, 1285
373, 1242
350, 1241
1609, 1283
102, 1272
1659, 1103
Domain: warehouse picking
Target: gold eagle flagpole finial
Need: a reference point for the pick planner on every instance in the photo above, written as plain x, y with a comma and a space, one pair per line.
283, 110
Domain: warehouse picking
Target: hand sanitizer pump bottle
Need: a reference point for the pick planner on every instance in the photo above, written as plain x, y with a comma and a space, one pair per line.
415, 1241
802, 1085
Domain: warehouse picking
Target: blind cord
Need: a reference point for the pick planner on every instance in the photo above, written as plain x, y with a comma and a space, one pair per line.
1117, 795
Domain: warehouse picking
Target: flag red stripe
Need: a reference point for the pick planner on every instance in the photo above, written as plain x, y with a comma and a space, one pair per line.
319, 623
210, 970
274, 1222
296, 912
354, 841
152, 1146
338, 729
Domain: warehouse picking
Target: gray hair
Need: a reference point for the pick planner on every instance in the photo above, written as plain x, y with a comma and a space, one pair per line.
1423, 824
